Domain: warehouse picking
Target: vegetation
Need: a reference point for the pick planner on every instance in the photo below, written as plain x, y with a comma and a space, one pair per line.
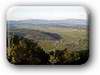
24, 51
21, 50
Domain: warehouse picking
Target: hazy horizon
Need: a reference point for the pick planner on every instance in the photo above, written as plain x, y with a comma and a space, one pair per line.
47, 19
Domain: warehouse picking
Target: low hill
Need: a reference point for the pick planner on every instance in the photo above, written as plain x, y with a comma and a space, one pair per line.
36, 34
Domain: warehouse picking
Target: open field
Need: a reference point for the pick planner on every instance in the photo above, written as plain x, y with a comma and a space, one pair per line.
71, 38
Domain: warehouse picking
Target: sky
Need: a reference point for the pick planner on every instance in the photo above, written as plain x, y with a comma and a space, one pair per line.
46, 12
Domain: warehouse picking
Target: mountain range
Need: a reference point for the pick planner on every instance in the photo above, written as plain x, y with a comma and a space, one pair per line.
47, 23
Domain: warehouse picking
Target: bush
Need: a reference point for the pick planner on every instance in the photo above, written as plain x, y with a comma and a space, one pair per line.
25, 51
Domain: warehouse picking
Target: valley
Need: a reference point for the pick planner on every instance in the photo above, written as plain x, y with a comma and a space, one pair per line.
52, 38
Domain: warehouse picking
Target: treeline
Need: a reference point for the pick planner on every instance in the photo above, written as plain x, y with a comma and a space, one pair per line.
24, 51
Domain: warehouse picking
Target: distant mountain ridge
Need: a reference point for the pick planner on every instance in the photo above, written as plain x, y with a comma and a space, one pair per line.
39, 22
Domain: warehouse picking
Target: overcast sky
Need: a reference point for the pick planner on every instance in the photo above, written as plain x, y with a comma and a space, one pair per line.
46, 12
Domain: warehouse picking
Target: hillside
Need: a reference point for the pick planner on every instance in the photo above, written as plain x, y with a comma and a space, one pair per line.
37, 23
36, 34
